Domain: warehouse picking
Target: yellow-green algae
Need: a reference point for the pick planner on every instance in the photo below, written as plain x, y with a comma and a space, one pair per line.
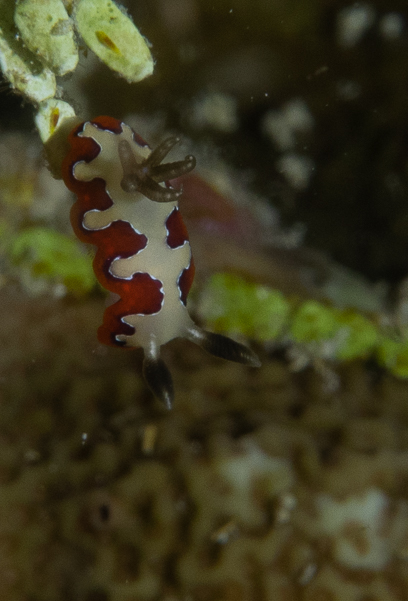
393, 354
361, 335
312, 322
53, 256
232, 304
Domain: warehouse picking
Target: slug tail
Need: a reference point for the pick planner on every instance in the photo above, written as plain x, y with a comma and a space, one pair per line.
159, 380
222, 346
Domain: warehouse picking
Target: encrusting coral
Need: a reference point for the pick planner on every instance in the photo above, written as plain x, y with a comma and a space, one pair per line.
40, 41
264, 487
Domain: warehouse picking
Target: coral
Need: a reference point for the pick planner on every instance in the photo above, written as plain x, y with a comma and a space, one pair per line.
47, 31
39, 41
21, 68
252, 488
114, 39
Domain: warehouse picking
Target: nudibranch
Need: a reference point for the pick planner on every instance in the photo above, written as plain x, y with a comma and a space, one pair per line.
143, 252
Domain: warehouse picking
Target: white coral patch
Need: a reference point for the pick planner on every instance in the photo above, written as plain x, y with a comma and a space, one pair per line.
357, 524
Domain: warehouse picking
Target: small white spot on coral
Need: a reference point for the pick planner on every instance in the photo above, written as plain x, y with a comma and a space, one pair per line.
296, 168
284, 125
353, 22
356, 525
215, 110
391, 26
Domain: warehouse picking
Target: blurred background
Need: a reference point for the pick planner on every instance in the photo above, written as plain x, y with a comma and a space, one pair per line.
287, 482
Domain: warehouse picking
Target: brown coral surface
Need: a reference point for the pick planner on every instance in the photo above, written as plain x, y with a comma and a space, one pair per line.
260, 484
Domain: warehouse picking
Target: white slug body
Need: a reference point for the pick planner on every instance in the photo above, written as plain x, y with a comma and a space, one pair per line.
143, 253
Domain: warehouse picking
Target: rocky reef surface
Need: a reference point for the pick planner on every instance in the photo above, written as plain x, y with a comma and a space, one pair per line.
258, 485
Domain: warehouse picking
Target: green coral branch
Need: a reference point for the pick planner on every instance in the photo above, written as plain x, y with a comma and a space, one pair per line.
48, 32
232, 305
39, 41
112, 36
23, 69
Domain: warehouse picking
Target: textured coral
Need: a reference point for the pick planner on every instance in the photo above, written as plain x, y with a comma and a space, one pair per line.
256, 487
